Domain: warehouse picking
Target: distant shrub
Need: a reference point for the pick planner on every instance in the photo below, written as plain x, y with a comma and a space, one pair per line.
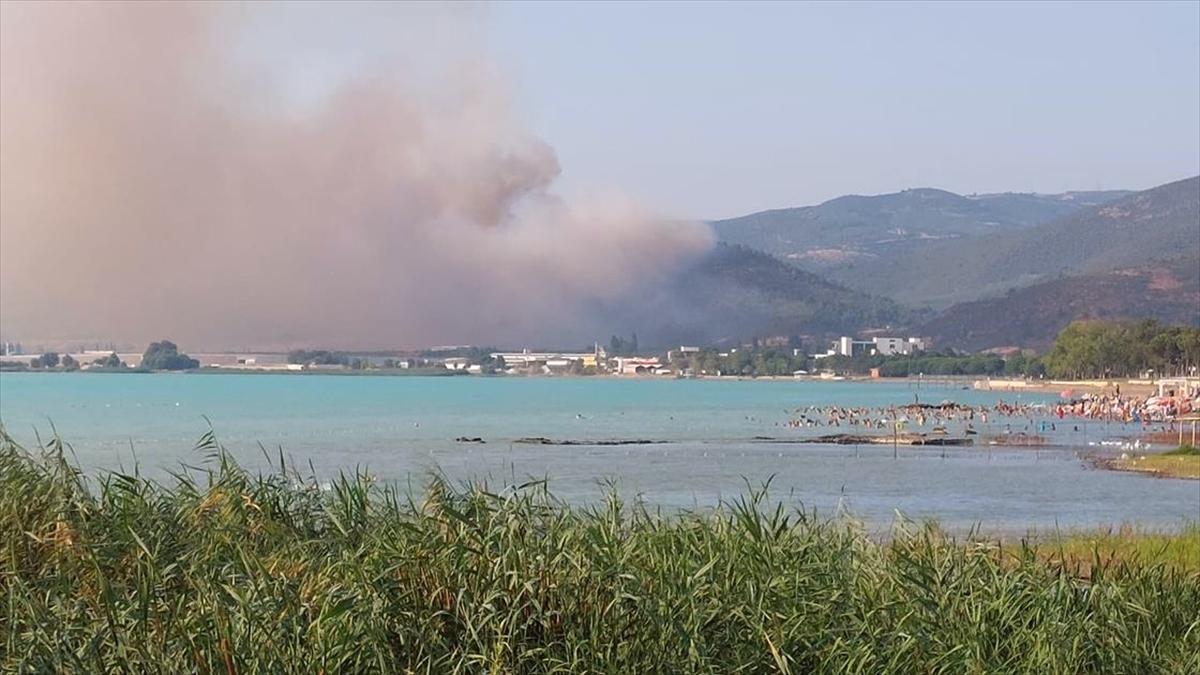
110, 361
165, 355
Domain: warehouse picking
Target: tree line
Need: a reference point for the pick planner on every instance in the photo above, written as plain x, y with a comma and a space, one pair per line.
1084, 349
161, 355
1097, 349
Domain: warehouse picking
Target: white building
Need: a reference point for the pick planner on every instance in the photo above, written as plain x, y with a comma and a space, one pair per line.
530, 359
883, 346
637, 365
888, 346
681, 352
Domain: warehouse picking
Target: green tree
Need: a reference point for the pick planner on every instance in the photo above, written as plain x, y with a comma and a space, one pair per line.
616, 346
1188, 342
110, 361
1113, 348
320, 357
165, 355
1035, 368
492, 364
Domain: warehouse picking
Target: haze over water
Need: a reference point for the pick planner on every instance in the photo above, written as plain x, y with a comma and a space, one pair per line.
404, 429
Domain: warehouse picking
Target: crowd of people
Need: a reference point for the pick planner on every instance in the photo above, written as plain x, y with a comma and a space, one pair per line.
1100, 407
1126, 409
884, 417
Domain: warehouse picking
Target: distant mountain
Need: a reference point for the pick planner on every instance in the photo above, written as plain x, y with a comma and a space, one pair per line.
866, 227
1159, 223
1032, 316
1012, 269
736, 292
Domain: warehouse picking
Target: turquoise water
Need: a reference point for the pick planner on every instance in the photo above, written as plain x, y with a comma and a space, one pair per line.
403, 428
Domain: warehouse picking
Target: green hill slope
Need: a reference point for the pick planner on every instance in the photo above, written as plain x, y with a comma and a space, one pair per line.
1032, 316
1155, 224
864, 227
736, 292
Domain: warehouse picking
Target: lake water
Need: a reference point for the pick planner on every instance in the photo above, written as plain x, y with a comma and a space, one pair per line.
404, 428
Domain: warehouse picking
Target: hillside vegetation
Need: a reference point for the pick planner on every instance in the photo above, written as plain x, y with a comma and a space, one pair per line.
1157, 224
1031, 317
865, 227
736, 292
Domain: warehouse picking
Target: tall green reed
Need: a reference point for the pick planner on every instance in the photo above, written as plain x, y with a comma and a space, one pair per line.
221, 570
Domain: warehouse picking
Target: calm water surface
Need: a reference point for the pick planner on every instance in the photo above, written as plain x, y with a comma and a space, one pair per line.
403, 428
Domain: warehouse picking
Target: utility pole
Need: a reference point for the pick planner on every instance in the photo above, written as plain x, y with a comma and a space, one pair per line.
895, 437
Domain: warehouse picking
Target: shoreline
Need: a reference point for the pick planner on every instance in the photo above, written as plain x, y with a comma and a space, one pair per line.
1179, 467
964, 382
1132, 387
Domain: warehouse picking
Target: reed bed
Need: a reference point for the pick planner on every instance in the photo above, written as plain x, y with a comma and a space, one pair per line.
221, 570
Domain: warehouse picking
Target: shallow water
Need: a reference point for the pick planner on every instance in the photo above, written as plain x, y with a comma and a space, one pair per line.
403, 428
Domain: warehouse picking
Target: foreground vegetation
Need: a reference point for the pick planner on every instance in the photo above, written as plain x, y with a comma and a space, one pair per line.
1079, 550
224, 571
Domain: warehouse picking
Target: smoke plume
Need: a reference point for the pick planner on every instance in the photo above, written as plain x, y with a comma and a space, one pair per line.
150, 186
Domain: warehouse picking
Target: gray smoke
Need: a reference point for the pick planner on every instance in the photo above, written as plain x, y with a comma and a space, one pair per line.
151, 187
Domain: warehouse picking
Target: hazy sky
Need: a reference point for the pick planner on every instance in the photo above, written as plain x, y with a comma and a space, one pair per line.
714, 109
271, 175
720, 109
398, 174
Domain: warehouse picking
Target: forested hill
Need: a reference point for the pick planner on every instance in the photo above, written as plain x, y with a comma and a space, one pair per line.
736, 292
1155, 224
1032, 316
857, 226
1013, 288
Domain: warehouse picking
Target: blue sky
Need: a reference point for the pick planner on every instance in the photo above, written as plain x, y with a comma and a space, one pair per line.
714, 109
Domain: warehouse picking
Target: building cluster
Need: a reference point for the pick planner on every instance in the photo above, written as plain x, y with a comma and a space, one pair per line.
681, 361
876, 346
526, 360
596, 361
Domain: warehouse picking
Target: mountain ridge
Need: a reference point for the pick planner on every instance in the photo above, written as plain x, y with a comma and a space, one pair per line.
855, 225
1158, 223
995, 282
